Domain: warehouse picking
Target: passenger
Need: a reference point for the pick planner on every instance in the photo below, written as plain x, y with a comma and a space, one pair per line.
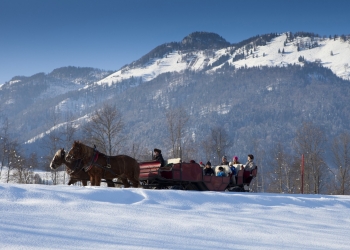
208, 170
224, 160
250, 165
235, 160
201, 164
221, 172
192, 161
233, 168
234, 173
158, 157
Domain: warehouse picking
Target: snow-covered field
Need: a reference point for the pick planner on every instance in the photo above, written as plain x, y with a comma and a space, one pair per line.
72, 217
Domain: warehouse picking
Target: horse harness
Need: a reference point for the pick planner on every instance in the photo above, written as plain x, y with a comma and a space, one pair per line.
93, 162
76, 169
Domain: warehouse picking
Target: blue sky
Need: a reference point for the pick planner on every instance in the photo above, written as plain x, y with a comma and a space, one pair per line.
41, 35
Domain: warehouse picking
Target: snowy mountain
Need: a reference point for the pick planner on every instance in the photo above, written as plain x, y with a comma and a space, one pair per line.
259, 90
280, 51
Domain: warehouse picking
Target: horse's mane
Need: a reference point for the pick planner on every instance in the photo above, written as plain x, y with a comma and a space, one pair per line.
86, 151
58, 153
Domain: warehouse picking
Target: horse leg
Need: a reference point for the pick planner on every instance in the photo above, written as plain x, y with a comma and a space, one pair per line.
110, 183
135, 183
92, 180
84, 182
71, 182
118, 185
125, 182
97, 180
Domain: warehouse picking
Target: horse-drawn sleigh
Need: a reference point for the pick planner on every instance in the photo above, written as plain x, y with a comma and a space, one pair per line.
174, 175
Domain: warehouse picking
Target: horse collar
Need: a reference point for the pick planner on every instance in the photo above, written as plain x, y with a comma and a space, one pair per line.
93, 160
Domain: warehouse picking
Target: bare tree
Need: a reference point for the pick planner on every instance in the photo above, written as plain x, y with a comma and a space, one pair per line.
220, 143
177, 120
69, 131
284, 172
23, 171
258, 183
4, 143
32, 163
52, 143
139, 153
341, 159
207, 147
105, 130
310, 141
11, 159
189, 149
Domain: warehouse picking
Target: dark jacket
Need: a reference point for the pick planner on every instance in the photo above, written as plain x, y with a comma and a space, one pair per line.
160, 159
234, 170
208, 171
249, 166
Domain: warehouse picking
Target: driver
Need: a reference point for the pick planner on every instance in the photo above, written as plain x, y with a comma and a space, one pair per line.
158, 156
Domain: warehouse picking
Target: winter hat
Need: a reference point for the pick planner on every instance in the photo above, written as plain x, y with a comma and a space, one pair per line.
221, 168
201, 163
235, 158
157, 150
251, 157
209, 163
224, 157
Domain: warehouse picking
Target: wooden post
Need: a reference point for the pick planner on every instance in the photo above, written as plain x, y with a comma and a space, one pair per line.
302, 174
180, 151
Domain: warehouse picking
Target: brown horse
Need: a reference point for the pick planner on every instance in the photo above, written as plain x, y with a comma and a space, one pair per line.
74, 169
99, 165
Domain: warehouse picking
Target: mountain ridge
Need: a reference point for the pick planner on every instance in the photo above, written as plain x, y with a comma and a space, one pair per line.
266, 50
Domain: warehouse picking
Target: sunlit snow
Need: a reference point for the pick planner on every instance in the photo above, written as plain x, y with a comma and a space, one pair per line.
72, 217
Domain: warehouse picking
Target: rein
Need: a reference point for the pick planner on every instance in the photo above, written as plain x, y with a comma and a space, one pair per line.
77, 169
93, 161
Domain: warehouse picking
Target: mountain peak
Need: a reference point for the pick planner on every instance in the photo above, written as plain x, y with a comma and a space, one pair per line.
209, 52
204, 40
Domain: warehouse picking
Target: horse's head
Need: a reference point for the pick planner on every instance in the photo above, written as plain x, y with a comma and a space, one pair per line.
76, 152
58, 159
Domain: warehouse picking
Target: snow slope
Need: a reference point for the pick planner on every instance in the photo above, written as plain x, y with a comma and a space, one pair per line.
267, 55
71, 217
322, 53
